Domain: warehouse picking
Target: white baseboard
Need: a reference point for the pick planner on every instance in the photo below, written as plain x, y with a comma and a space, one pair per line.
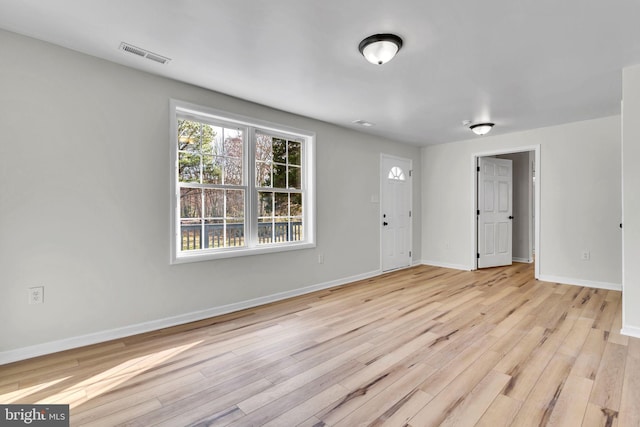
581, 282
446, 265
524, 260
631, 331
102, 336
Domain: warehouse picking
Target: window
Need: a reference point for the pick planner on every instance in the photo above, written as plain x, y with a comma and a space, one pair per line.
396, 174
241, 186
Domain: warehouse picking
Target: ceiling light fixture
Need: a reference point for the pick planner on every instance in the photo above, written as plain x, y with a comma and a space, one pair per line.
363, 123
481, 128
380, 48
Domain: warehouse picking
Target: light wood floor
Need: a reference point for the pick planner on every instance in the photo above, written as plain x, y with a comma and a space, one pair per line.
420, 347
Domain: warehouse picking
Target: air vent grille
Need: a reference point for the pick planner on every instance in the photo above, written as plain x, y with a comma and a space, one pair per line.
126, 47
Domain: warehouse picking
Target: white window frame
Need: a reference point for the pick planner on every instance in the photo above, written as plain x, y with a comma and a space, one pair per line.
252, 247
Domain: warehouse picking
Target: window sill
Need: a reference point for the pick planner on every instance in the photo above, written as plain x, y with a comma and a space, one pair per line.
233, 253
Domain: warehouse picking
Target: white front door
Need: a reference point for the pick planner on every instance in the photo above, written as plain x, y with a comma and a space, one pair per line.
395, 213
495, 212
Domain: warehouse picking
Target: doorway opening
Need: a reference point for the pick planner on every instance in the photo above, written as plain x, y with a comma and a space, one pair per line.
522, 213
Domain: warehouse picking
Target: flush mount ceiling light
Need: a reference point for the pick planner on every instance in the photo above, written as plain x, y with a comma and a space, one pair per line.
363, 123
380, 48
481, 128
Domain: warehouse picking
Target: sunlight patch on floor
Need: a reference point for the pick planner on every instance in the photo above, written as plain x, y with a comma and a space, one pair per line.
16, 396
105, 381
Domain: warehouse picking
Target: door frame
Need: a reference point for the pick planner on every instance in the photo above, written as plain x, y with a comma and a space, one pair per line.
383, 176
537, 208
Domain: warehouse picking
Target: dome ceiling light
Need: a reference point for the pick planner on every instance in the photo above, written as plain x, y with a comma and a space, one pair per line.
481, 128
380, 48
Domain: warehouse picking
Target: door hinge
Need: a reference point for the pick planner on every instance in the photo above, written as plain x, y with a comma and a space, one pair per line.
478, 255
409, 254
478, 169
478, 212
410, 172
409, 214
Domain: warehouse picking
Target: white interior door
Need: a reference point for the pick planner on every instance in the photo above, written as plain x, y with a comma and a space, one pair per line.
396, 213
495, 212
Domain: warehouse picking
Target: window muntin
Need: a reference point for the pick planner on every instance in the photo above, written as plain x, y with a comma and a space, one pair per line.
241, 187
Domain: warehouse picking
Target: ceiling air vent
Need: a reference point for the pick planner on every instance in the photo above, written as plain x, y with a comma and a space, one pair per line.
143, 53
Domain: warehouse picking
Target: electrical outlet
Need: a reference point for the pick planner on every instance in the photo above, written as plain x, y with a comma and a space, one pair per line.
36, 295
586, 255
321, 259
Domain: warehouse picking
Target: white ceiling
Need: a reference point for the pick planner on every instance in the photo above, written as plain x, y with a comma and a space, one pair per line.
519, 63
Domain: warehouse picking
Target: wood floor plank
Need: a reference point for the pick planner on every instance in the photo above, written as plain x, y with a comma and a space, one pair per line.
371, 405
597, 416
541, 401
629, 414
475, 404
572, 402
588, 360
261, 399
454, 394
500, 413
404, 409
421, 346
304, 410
607, 387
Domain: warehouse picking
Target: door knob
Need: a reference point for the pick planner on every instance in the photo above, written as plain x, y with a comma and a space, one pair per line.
511, 217
385, 223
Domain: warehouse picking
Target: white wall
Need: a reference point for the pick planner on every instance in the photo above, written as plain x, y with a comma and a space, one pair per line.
631, 199
522, 198
84, 204
579, 178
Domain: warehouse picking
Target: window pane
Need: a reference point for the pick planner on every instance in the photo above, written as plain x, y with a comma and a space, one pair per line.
282, 204
294, 153
190, 232
208, 135
263, 148
233, 143
279, 176
212, 169
211, 140
265, 230
190, 203
263, 174
296, 204
235, 204
265, 204
279, 150
214, 232
296, 230
188, 167
233, 171
294, 177
213, 203
189, 136
281, 230
235, 233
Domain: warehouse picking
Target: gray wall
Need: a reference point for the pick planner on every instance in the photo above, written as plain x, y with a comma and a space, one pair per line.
579, 180
631, 198
85, 203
